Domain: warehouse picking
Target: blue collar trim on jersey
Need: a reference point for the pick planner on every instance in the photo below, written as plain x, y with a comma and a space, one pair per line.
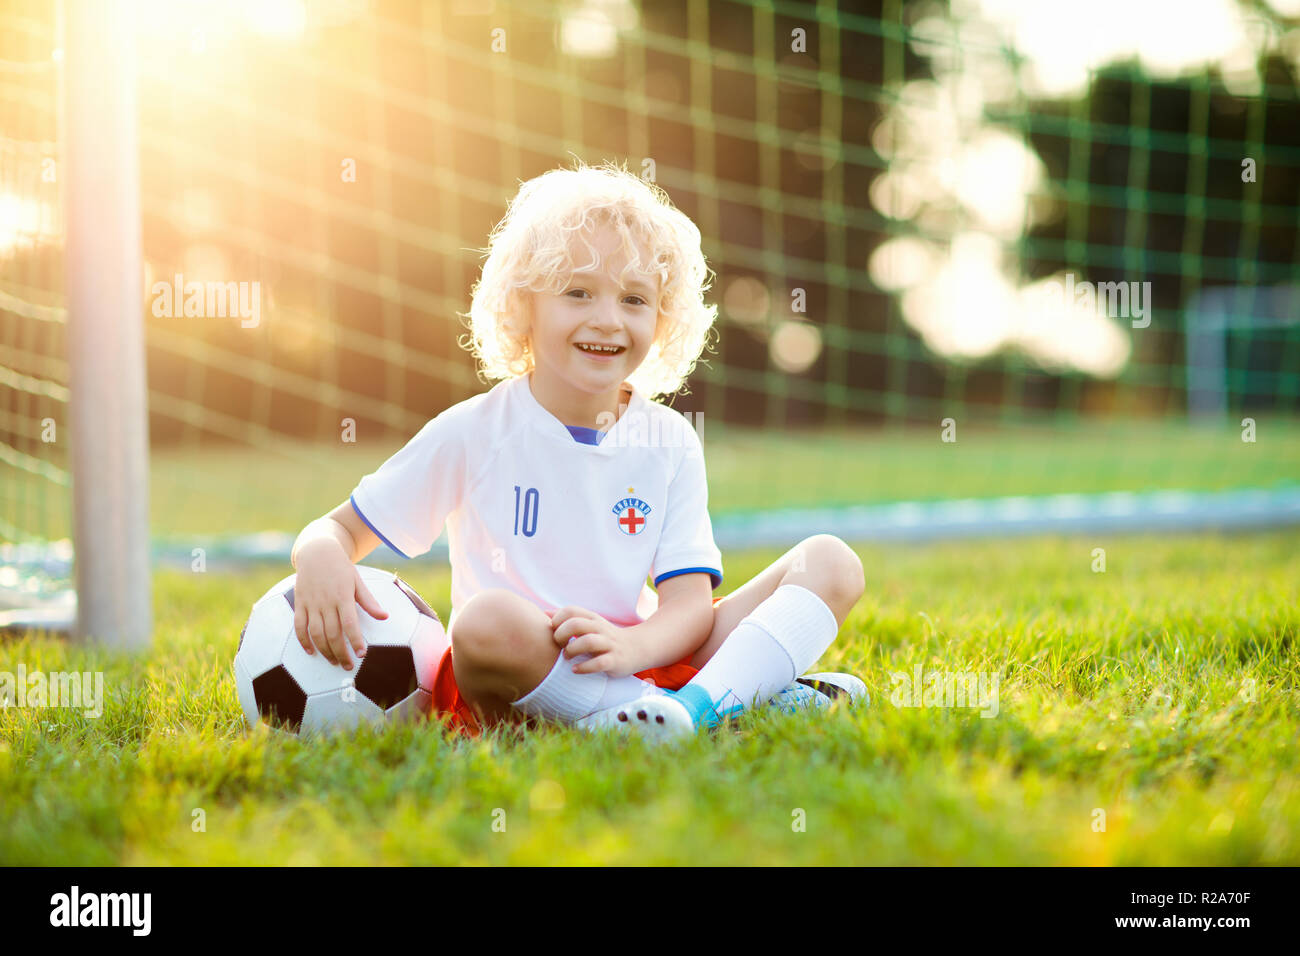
548, 424
588, 436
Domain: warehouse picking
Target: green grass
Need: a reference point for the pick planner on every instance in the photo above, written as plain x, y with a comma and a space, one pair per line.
1162, 692
217, 489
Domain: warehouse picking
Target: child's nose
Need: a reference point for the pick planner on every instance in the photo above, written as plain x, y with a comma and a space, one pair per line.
607, 317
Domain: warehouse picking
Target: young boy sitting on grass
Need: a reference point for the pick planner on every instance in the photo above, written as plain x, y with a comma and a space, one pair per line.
563, 486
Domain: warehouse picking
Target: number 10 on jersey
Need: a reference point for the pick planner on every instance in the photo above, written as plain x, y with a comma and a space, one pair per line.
530, 512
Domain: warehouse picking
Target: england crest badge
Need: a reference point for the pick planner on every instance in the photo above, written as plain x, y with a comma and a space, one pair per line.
631, 514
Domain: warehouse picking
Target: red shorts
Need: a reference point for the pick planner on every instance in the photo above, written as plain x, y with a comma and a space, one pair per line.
461, 717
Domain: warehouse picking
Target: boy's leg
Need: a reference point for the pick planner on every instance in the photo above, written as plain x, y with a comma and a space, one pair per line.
508, 666
765, 634
499, 651
823, 564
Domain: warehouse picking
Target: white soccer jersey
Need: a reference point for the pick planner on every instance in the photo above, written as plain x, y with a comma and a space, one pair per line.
530, 508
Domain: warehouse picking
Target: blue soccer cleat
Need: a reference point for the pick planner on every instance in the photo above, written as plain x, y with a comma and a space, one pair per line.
667, 715
819, 691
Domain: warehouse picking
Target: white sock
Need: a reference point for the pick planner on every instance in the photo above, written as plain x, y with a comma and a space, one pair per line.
774, 644
565, 696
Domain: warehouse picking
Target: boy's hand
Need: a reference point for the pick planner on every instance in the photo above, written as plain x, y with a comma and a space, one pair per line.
326, 595
580, 631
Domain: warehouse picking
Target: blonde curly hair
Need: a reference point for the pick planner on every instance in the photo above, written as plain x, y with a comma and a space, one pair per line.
530, 251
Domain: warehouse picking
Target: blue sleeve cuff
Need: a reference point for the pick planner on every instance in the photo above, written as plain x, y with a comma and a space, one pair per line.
373, 528
713, 573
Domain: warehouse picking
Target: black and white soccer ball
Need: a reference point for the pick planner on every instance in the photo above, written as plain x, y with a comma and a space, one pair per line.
282, 685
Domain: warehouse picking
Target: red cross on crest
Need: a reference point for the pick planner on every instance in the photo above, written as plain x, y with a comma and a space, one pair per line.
631, 522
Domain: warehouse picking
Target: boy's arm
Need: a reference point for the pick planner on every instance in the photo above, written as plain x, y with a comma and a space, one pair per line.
343, 525
681, 624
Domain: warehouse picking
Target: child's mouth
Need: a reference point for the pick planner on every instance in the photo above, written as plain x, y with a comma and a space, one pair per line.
600, 354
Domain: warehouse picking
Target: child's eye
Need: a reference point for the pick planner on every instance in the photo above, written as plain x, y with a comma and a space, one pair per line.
636, 300
576, 292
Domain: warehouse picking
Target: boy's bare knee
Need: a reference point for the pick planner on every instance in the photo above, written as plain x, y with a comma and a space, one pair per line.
486, 627
838, 568
497, 645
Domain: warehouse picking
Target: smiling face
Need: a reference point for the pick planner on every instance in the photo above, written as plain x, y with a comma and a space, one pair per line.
574, 376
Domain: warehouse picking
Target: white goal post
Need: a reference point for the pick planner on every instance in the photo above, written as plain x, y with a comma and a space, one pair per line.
108, 409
